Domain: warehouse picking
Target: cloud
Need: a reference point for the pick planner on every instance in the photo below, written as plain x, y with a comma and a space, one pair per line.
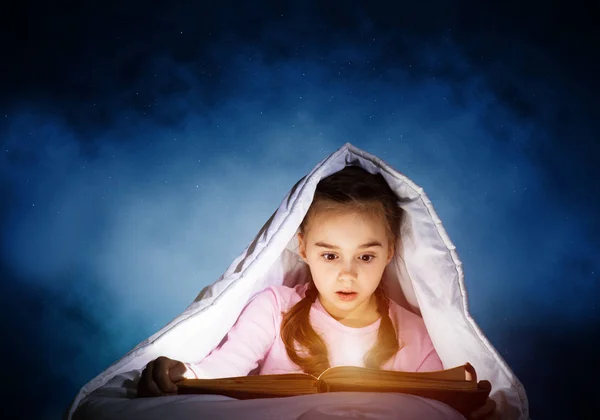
130, 202
136, 201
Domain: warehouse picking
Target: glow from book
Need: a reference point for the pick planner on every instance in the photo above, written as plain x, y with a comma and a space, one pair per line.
353, 355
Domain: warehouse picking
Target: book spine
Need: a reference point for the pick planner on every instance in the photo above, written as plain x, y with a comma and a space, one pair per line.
321, 386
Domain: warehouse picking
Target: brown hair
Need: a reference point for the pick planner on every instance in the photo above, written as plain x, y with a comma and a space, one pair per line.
354, 189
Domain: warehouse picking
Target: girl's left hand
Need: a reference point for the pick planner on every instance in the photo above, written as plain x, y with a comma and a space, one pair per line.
484, 412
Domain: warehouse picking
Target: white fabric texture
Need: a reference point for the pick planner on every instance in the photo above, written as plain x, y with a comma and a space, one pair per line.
425, 276
111, 402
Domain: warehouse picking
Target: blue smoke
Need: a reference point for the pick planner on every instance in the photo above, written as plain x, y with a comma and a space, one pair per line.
122, 204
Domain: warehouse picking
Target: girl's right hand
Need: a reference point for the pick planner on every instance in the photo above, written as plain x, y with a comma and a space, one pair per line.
159, 377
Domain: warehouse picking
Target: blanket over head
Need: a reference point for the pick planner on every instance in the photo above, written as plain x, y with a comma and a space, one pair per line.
425, 276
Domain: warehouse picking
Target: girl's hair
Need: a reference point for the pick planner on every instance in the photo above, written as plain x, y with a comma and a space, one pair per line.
351, 189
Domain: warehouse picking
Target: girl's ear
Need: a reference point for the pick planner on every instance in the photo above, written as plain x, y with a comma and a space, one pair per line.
301, 247
391, 252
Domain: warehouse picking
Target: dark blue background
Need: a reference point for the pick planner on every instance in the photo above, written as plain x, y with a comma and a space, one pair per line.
144, 146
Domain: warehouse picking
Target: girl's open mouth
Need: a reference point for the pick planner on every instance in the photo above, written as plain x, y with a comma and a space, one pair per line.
346, 296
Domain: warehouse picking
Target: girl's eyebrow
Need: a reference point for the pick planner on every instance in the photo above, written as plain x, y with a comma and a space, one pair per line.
367, 245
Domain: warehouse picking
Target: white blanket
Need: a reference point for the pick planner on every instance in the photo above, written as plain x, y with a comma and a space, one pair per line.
113, 402
425, 276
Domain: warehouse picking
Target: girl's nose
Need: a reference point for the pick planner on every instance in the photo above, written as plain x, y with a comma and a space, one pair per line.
347, 273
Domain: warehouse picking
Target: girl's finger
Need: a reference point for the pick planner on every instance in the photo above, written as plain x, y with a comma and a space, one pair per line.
177, 371
150, 384
161, 377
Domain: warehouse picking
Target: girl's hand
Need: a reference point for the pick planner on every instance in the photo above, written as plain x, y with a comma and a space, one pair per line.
485, 412
159, 377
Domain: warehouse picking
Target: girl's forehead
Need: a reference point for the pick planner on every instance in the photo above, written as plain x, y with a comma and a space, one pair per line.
347, 224
334, 218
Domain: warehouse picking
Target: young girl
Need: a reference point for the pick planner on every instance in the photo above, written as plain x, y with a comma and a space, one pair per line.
341, 316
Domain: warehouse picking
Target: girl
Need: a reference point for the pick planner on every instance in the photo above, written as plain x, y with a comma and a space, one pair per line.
341, 316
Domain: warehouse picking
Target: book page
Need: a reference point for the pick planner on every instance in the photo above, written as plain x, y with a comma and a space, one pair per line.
255, 386
459, 373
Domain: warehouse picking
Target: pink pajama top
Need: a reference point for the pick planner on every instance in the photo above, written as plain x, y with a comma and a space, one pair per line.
255, 342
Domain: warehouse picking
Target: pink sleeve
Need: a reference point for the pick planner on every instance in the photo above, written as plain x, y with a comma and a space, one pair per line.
431, 361
247, 342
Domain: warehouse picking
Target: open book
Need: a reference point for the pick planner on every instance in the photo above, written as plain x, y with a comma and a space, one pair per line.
450, 386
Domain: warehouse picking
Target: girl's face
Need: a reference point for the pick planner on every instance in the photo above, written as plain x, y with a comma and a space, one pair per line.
347, 254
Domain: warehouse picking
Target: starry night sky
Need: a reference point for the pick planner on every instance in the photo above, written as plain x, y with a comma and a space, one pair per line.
142, 148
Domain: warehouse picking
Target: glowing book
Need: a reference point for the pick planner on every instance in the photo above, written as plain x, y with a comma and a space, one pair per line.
449, 386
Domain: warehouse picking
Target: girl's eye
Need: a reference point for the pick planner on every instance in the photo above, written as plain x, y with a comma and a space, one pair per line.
370, 257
